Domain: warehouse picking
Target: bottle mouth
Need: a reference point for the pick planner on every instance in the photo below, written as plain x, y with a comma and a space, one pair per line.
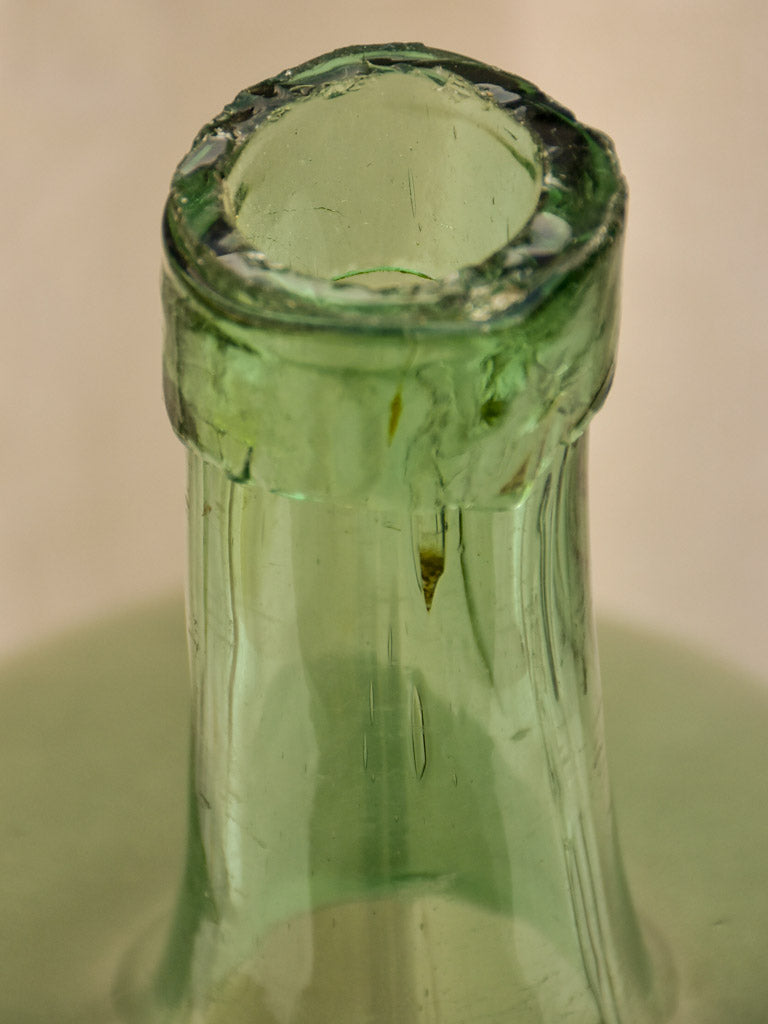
382, 186
384, 175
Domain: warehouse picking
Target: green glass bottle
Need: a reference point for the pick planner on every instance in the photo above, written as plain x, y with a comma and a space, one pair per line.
391, 302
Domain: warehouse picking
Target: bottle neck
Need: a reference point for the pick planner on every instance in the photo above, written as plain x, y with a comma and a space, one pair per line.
388, 704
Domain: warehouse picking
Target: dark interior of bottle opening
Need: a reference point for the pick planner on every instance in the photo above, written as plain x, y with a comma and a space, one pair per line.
385, 179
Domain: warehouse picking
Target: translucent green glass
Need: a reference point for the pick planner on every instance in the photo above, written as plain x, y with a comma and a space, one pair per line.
391, 302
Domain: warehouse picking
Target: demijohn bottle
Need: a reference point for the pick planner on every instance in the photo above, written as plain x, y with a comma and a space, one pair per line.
390, 292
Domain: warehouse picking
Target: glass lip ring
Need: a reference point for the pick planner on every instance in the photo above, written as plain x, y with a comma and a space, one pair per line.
580, 211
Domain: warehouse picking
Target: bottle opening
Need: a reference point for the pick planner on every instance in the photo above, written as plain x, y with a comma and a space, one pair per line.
384, 179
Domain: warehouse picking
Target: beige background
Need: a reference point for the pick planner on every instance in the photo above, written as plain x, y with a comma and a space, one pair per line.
101, 98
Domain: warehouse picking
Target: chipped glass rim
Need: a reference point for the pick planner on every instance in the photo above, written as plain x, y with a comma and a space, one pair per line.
580, 211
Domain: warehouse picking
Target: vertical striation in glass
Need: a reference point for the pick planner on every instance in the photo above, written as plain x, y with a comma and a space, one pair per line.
391, 304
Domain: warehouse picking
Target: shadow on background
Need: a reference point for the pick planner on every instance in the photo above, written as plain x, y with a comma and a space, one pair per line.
93, 752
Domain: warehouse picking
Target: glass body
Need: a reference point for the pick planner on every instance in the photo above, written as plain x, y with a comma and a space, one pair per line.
391, 301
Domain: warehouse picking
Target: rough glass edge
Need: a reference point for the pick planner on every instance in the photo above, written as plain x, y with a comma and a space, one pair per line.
205, 249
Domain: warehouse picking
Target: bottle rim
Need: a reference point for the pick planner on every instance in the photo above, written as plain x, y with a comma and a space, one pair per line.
580, 210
